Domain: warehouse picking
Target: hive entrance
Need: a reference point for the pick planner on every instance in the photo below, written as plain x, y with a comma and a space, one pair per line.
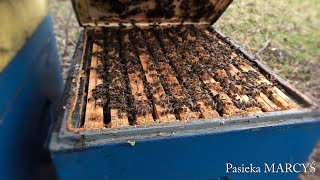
164, 74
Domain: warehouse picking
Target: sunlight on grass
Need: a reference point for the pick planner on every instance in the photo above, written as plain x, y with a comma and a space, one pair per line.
291, 27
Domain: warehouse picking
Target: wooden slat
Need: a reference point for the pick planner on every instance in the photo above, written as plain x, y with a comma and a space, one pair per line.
278, 97
171, 80
262, 99
223, 74
206, 110
240, 96
118, 118
162, 107
94, 113
273, 106
178, 94
228, 108
159, 94
137, 87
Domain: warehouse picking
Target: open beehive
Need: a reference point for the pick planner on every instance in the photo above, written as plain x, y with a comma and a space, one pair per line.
152, 82
151, 62
141, 76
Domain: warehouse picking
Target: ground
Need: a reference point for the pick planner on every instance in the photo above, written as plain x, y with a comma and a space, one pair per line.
282, 34
67, 30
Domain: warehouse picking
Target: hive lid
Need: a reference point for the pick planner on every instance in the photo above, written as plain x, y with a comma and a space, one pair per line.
145, 12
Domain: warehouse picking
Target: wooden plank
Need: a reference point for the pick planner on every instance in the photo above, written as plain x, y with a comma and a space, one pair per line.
178, 94
228, 108
137, 87
251, 110
118, 120
201, 46
206, 110
118, 117
159, 95
266, 104
162, 107
171, 81
273, 106
94, 112
278, 96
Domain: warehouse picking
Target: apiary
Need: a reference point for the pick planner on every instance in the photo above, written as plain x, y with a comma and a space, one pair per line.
154, 82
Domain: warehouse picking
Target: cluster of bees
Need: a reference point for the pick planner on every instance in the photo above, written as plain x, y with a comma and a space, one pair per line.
196, 88
176, 51
214, 61
177, 98
152, 70
133, 66
189, 81
220, 60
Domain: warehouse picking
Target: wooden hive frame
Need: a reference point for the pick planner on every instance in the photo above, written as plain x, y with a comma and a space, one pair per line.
94, 113
179, 64
162, 108
170, 74
167, 73
278, 97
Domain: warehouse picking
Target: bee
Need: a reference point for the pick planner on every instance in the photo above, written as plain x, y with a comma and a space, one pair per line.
163, 113
146, 101
171, 111
153, 75
162, 96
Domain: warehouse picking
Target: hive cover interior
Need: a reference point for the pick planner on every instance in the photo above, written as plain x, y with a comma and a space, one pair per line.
112, 12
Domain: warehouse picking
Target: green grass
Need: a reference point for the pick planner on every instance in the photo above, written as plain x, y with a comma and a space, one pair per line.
291, 27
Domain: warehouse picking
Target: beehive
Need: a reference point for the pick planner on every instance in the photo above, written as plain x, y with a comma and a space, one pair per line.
141, 76
154, 91
153, 62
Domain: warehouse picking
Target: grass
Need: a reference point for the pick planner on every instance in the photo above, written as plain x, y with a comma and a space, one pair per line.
292, 25
285, 33
291, 31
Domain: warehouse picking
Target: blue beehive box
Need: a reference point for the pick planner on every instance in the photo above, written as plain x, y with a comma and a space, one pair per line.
236, 147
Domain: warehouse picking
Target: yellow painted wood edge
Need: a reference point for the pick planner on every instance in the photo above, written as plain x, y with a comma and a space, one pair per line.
19, 19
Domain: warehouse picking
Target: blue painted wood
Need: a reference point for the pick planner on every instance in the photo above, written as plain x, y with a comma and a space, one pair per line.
30, 88
193, 157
